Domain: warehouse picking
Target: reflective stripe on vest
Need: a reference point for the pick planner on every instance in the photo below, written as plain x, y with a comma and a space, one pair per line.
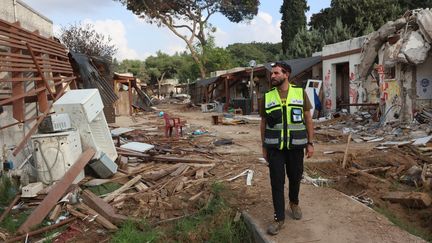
293, 118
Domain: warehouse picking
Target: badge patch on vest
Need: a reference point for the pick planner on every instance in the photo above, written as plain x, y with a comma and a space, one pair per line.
270, 104
296, 102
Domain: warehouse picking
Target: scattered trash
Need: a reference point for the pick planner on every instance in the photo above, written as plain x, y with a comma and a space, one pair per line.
199, 132
249, 175
422, 141
318, 182
223, 141
363, 199
137, 146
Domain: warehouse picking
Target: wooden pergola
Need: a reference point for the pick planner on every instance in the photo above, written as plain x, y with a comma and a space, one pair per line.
35, 69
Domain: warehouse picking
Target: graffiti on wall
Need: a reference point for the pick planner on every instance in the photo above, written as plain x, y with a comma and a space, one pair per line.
391, 97
327, 90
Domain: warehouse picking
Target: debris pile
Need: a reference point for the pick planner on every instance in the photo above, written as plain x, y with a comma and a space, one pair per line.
158, 179
385, 166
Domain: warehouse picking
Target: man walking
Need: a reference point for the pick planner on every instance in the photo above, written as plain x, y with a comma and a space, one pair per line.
286, 130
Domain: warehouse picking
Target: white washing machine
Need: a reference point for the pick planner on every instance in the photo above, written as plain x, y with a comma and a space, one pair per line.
55, 153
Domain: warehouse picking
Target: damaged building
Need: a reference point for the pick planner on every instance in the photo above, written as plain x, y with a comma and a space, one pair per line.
388, 69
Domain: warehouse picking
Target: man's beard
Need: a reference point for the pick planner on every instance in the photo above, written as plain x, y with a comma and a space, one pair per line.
276, 82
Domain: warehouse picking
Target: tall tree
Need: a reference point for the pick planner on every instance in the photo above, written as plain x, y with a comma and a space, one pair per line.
136, 67
83, 38
305, 43
293, 20
191, 17
338, 32
160, 67
362, 15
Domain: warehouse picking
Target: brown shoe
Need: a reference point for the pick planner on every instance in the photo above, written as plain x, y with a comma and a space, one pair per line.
296, 211
275, 227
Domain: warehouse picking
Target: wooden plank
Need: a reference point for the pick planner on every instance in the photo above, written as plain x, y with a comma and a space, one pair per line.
354, 171
55, 213
18, 105
42, 95
16, 60
56, 192
346, 151
75, 212
16, 97
409, 199
123, 188
28, 36
29, 79
102, 207
99, 218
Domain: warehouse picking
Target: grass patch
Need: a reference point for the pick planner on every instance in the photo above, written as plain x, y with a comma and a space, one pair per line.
13, 221
131, 232
8, 190
412, 229
213, 223
105, 188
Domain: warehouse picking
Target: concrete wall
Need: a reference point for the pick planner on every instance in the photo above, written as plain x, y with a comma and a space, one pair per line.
329, 72
424, 83
29, 19
12, 11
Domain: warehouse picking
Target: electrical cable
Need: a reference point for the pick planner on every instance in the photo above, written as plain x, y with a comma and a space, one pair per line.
49, 168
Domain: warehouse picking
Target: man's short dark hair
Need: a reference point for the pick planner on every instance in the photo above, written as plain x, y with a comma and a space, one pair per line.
285, 66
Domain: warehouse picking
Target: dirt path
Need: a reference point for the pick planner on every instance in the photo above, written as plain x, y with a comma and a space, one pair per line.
329, 216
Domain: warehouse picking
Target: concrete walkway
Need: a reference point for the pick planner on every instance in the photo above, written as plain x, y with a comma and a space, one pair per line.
328, 216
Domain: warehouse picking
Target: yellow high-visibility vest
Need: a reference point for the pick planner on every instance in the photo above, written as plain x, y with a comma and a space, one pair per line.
285, 125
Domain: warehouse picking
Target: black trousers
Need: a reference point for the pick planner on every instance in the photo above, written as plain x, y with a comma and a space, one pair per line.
292, 161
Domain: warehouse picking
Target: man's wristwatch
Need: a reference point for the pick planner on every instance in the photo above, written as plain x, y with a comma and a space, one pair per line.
310, 143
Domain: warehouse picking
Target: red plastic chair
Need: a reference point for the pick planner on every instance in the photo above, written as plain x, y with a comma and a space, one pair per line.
170, 123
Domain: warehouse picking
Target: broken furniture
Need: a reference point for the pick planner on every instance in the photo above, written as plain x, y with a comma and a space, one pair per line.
172, 123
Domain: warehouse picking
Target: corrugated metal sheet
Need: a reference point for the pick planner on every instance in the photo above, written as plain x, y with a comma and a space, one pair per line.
298, 65
91, 78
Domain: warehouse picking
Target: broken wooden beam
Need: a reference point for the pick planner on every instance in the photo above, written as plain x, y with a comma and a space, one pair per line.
102, 207
346, 152
99, 218
123, 188
409, 199
160, 158
377, 169
55, 213
354, 171
56, 192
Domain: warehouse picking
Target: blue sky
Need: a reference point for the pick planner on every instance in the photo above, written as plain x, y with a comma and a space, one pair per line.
137, 39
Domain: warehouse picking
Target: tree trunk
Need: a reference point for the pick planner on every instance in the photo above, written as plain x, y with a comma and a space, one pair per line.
197, 61
159, 83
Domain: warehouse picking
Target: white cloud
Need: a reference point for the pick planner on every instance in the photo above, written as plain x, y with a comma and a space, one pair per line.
266, 17
68, 6
116, 30
261, 29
